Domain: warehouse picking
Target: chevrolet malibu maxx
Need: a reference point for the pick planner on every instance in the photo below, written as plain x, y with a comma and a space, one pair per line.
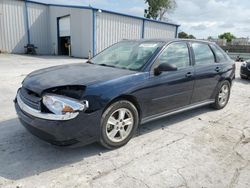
130, 83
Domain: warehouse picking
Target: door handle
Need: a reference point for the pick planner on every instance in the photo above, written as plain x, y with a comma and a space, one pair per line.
217, 69
189, 74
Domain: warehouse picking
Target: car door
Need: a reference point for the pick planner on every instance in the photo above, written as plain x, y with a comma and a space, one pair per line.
173, 89
207, 72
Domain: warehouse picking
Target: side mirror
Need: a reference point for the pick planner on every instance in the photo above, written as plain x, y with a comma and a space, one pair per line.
164, 67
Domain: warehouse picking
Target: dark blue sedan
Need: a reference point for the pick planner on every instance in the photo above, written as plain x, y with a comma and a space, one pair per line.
129, 83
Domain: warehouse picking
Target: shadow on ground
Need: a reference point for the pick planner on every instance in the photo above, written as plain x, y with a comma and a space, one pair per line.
23, 155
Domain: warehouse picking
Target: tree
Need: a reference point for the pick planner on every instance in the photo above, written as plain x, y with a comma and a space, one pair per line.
209, 38
191, 37
158, 8
183, 35
228, 36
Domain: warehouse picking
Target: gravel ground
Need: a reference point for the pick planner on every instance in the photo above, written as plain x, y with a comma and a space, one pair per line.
198, 148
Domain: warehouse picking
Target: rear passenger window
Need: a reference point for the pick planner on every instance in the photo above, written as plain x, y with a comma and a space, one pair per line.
219, 53
203, 54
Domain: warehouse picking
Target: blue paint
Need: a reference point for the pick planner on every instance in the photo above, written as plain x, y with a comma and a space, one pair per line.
106, 11
27, 20
94, 32
58, 37
143, 29
36, 2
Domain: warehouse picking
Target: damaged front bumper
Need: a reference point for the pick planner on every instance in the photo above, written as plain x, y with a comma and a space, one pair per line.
82, 127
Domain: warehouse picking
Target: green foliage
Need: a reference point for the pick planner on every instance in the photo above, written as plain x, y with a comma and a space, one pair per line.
228, 36
191, 37
158, 8
183, 35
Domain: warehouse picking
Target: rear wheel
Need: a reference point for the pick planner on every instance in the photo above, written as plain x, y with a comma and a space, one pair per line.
118, 125
222, 96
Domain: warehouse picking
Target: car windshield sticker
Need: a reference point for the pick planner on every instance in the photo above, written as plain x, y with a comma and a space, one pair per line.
148, 45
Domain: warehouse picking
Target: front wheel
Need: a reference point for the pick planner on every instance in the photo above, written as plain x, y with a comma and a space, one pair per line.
222, 96
118, 124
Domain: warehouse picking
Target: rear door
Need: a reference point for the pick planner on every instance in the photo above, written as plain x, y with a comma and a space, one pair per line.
207, 72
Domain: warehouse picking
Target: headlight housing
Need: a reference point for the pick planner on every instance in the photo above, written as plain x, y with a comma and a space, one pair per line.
244, 64
61, 105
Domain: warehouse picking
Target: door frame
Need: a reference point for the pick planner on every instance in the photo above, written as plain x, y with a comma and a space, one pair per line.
59, 50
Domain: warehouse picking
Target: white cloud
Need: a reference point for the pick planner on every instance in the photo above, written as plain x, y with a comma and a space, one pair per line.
203, 18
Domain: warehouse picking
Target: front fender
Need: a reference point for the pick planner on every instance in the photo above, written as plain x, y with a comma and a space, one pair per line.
101, 94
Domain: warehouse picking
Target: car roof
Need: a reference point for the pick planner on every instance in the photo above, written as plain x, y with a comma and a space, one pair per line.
172, 40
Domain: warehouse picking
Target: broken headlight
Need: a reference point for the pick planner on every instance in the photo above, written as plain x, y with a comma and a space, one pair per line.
60, 105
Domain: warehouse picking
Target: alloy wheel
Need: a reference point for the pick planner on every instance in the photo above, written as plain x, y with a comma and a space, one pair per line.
223, 95
119, 125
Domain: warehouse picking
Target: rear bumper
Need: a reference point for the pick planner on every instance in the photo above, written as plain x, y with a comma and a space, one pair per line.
85, 128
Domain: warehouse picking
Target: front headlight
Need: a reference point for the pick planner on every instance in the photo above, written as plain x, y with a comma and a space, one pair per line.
60, 105
244, 64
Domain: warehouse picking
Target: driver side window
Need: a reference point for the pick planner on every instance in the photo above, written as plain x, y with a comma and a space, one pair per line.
175, 54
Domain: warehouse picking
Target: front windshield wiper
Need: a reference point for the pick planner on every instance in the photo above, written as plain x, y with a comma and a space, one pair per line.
105, 65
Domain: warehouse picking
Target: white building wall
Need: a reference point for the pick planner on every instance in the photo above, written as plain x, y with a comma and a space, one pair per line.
155, 30
80, 28
13, 34
39, 27
112, 28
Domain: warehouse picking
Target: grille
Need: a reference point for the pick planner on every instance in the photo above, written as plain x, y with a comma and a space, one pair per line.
30, 98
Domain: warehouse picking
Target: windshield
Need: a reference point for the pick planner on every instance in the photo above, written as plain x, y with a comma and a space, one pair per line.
130, 55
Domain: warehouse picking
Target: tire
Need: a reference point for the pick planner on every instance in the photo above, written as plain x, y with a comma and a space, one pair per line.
119, 123
222, 97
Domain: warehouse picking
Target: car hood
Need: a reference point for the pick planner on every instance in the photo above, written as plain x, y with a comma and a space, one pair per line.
83, 74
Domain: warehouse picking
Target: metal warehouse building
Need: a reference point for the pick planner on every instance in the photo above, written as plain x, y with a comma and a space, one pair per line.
88, 30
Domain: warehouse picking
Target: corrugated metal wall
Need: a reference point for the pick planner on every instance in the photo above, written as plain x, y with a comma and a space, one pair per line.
112, 28
39, 27
13, 31
13, 34
159, 30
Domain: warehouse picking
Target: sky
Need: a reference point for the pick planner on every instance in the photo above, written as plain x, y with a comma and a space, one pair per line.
201, 18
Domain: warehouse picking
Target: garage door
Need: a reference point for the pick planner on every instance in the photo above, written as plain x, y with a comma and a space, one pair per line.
64, 26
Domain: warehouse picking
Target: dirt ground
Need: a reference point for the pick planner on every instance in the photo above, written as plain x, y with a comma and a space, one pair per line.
199, 148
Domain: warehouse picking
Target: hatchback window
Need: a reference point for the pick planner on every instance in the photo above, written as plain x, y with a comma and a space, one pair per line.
176, 54
203, 54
